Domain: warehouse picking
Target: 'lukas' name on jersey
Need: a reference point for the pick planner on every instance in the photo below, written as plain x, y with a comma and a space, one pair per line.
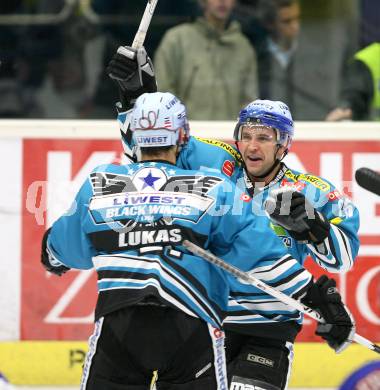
146, 237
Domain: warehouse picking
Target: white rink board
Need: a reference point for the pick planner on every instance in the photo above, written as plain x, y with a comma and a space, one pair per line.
108, 129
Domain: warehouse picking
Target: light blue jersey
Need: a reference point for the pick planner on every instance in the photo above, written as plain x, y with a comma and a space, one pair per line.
335, 254
129, 222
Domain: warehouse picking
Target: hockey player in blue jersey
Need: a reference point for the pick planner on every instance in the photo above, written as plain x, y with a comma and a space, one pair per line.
160, 308
319, 221
308, 214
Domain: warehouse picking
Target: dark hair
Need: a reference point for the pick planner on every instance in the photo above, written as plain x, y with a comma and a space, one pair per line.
156, 150
268, 9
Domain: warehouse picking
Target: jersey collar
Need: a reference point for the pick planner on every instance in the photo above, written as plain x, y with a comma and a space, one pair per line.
251, 187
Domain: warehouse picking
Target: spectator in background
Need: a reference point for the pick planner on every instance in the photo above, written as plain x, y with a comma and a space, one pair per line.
17, 96
246, 14
122, 19
297, 65
281, 18
369, 13
360, 97
209, 63
32, 69
12, 102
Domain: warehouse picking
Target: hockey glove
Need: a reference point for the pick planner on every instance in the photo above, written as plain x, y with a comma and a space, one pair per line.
51, 264
291, 210
133, 72
339, 328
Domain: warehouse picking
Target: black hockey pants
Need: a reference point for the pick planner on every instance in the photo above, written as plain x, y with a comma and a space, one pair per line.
257, 362
136, 345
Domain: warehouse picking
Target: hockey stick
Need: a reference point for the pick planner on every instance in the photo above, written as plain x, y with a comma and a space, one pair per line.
144, 24
143, 61
238, 273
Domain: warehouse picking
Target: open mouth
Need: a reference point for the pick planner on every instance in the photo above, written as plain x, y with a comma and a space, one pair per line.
254, 158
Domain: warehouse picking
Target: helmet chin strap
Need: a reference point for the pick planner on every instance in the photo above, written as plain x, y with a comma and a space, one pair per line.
270, 169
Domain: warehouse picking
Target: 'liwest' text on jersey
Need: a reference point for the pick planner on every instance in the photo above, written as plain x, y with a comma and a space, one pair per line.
130, 199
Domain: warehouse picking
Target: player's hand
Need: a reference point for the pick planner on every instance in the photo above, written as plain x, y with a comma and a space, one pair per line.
339, 114
133, 72
52, 265
54, 269
339, 328
291, 210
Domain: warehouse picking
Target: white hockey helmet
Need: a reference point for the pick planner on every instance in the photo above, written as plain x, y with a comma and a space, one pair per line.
159, 119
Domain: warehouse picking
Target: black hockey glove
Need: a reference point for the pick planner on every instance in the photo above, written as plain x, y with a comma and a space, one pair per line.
52, 265
133, 72
291, 210
339, 328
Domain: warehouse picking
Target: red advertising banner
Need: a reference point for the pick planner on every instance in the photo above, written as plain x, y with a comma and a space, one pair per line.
52, 307
62, 308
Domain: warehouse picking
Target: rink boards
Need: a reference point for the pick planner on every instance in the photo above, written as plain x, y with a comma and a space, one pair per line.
44, 163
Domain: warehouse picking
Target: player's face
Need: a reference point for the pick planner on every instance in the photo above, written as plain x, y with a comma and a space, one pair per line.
219, 9
258, 148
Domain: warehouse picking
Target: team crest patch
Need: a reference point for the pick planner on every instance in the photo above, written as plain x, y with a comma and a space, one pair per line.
141, 208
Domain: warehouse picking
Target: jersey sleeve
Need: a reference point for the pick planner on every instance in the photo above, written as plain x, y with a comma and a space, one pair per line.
67, 242
338, 251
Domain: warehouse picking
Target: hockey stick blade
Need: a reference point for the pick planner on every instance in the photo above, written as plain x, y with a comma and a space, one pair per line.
238, 273
139, 39
368, 179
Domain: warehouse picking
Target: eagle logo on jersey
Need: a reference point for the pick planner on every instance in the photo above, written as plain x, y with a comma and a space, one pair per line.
104, 183
148, 195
